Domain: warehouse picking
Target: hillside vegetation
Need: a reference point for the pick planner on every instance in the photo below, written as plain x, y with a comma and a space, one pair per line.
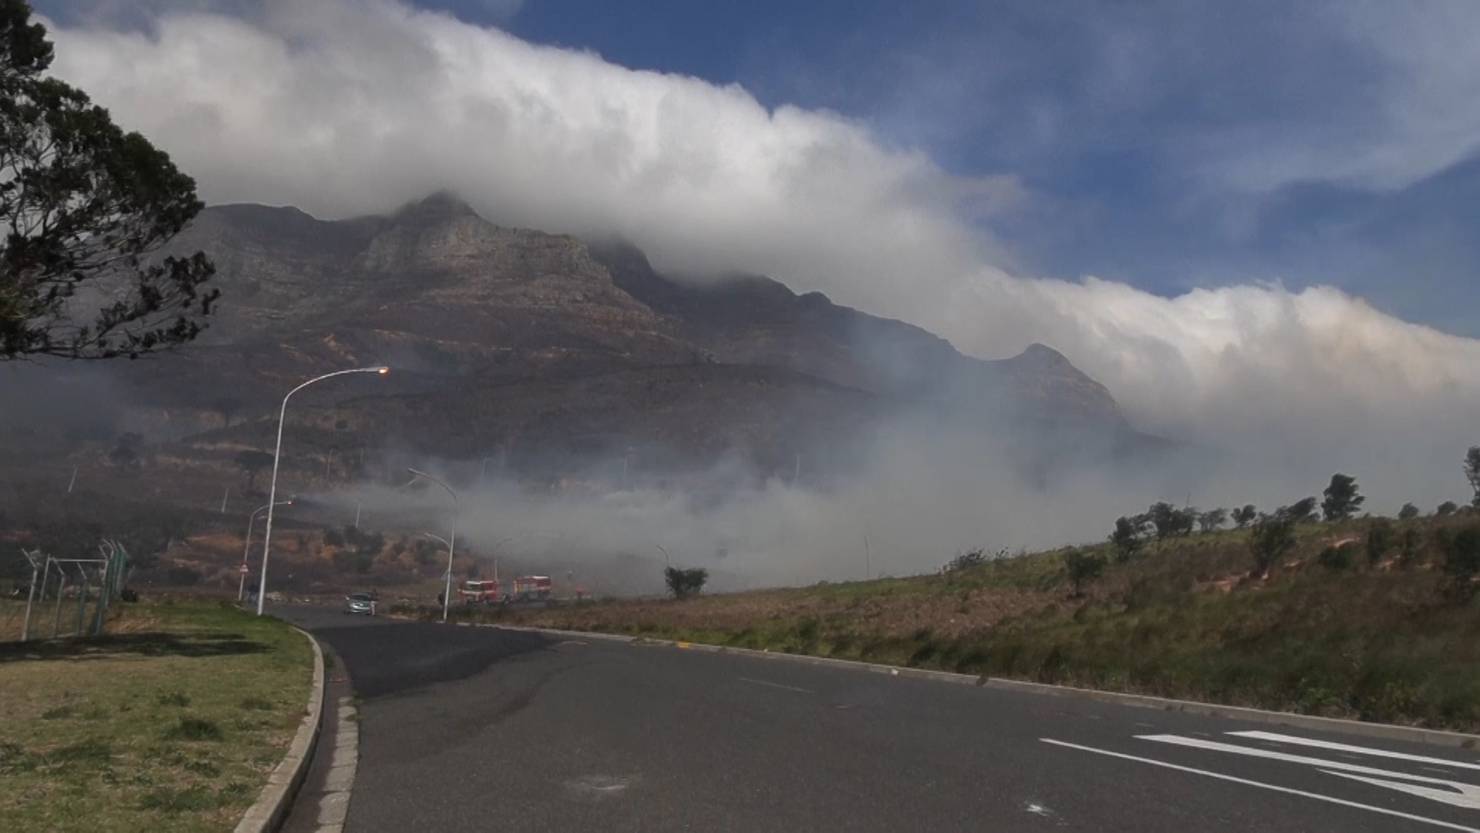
1331, 630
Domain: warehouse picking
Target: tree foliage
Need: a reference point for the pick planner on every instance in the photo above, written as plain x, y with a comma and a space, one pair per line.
1408, 512
1472, 473
1462, 559
1170, 521
84, 210
1272, 537
1127, 538
1244, 516
1342, 498
1446, 508
252, 461
1380, 539
1212, 519
1301, 510
1082, 567
683, 583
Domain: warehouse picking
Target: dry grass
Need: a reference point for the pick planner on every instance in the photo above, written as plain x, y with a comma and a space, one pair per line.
1386, 641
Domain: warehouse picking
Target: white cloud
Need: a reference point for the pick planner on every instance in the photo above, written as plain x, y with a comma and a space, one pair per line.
343, 109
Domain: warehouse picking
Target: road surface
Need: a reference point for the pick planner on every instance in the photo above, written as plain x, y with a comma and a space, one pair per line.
477, 729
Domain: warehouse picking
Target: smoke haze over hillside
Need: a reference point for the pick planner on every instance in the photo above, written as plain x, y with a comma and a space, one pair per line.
345, 108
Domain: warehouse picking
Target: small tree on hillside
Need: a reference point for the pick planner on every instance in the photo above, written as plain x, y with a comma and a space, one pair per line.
251, 462
1379, 540
1126, 538
1300, 511
1082, 567
1244, 516
1408, 512
1409, 543
1170, 521
1446, 509
1462, 559
1273, 536
1342, 499
1472, 473
1212, 519
684, 583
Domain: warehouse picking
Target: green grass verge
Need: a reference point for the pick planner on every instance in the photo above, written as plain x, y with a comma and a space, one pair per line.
170, 723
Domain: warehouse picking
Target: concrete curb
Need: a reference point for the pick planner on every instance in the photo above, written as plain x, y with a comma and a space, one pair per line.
271, 807
1384, 731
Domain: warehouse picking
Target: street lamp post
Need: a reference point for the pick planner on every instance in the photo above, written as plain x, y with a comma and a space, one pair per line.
447, 588
276, 456
241, 584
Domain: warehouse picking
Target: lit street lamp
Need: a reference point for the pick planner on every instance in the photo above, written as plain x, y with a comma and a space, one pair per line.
276, 456
241, 585
447, 589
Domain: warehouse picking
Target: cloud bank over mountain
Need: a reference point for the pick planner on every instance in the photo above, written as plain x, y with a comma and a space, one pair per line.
345, 108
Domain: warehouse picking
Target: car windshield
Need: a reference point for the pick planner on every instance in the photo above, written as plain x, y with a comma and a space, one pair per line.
359, 597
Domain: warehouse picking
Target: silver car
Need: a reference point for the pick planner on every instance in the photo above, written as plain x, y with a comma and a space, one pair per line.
359, 603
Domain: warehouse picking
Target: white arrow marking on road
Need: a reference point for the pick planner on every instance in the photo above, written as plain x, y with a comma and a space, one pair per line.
1458, 794
1345, 747
1469, 798
1260, 784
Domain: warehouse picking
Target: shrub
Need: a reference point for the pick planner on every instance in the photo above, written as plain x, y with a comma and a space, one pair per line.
1126, 538
1212, 519
1335, 558
1379, 540
1273, 536
1244, 516
1462, 558
1409, 543
1082, 567
683, 583
967, 560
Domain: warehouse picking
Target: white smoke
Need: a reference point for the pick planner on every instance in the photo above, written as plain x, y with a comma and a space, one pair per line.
347, 108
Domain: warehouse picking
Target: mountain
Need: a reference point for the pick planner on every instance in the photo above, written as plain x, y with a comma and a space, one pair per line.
549, 352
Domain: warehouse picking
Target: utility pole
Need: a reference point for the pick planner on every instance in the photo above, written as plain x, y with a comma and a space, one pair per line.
73, 481
868, 559
224, 496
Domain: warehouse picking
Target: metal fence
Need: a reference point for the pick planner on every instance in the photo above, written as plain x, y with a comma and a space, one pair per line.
67, 597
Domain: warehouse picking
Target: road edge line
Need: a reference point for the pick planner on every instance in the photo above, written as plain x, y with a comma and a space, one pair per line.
1387, 731
271, 807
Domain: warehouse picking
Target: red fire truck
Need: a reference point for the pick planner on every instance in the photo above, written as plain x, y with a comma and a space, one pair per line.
528, 588
475, 592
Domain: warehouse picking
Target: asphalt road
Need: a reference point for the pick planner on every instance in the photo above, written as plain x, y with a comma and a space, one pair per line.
475, 729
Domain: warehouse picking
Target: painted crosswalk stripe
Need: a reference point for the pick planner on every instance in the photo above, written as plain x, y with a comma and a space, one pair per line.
1346, 747
1262, 785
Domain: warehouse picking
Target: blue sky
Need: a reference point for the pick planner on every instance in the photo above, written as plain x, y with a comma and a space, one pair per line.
1137, 129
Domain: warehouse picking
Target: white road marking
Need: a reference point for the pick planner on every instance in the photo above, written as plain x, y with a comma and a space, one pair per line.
1346, 747
1468, 798
776, 685
1458, 794
1274, 787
